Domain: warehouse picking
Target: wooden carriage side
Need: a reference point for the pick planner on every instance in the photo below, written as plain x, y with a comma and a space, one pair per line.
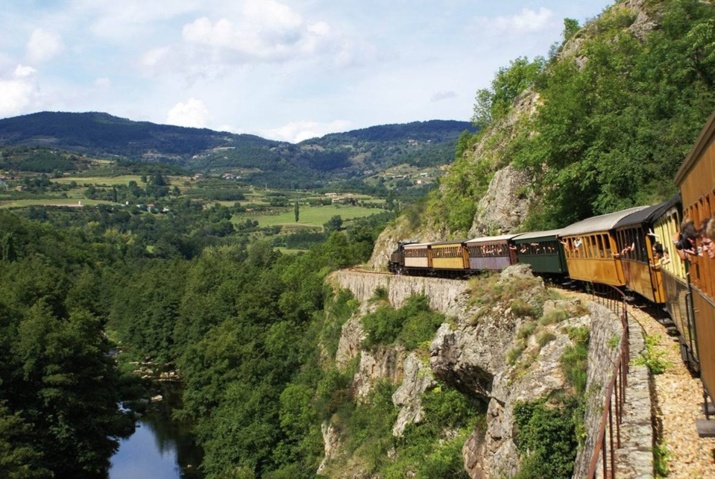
591, 250
490, 253
449, 255
636, 240
417, 255
542, 250
696, 181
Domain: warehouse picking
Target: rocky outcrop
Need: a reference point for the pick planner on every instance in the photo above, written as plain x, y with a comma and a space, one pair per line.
417, 379
484, 353
505, 205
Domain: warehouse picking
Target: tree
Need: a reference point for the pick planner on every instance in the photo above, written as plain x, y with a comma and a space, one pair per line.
296, 211
334, 224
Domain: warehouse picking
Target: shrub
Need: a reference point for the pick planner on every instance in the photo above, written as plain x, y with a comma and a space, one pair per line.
651, 358
412, 325
546, 439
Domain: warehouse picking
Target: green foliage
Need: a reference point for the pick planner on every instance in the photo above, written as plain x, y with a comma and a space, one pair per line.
612, 132
338, 309
574, 361
652, 356
425, 451
411, 325
545, 439
494, 103
661, 458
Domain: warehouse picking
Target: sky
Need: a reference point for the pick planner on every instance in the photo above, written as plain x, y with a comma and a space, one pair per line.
282, 69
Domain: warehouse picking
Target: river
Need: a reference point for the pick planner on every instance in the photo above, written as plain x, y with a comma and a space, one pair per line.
160, 448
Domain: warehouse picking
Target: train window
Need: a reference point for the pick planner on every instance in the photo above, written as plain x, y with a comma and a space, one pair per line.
599, 243
592, 250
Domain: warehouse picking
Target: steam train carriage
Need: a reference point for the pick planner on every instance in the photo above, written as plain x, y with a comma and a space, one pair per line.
491, 253
675, 282
638, 245
591, 250
543, 251
696, 182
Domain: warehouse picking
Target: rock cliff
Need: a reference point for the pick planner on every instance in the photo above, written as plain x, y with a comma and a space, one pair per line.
502, 345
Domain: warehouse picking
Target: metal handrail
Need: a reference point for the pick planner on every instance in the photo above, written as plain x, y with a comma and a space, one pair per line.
615, 300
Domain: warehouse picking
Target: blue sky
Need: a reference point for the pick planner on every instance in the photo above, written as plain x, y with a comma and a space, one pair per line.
281, 69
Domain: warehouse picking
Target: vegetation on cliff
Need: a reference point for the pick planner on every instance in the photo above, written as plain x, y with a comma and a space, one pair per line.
619, 104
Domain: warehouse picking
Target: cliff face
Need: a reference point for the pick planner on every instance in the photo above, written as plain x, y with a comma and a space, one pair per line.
483, 352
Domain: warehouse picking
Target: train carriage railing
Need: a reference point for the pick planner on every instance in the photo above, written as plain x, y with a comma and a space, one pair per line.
606, 444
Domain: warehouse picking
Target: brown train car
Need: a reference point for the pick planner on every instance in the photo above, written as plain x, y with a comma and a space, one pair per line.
636, 241
675, 283
591, 250
696, 181
491, 253
416, 256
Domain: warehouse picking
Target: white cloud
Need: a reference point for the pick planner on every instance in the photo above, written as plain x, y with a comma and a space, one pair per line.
43, 46
18, 91
103, 83
22, 71
298, 131
443, 95
261, 32
525, 22
193, 113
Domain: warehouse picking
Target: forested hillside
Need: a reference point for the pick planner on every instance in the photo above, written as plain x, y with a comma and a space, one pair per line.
309, 164
618, 104
240, 321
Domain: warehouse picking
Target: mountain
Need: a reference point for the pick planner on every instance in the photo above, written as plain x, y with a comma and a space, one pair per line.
338, 155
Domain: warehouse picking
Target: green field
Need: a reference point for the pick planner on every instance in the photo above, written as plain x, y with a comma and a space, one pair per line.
312, 215
99, 180
50, 202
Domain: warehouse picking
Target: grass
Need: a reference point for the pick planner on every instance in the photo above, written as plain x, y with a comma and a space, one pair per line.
99, 180
312, 215
49, 202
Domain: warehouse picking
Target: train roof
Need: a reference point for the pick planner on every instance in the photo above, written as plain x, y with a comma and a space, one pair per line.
416, 245
595, 224
489, 239
443, 243
648, 214
538, 234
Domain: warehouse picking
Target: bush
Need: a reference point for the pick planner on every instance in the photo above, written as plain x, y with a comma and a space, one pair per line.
412, 325
546, 439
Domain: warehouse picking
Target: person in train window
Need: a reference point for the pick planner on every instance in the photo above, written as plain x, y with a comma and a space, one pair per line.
708, 238
658, 256
685, 241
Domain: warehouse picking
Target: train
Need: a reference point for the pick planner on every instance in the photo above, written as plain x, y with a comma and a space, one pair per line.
636, 250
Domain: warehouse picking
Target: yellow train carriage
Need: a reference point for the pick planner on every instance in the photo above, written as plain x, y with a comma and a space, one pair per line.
449, 255
591, 250
642, 251
696, 181
675, 283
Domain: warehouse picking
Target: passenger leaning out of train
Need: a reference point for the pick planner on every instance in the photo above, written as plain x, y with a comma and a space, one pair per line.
686, 241
708, 238
660, 256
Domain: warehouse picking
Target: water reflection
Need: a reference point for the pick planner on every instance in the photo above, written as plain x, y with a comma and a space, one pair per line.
161, 448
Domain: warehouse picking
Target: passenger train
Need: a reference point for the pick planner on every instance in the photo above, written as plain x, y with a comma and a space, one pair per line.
634, 249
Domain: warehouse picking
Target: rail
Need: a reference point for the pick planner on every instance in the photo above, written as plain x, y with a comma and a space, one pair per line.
605, 446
